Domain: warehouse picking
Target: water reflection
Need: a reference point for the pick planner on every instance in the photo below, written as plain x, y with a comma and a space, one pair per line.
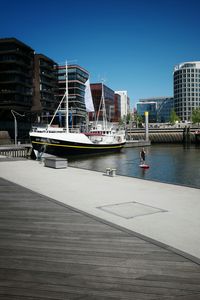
168, 163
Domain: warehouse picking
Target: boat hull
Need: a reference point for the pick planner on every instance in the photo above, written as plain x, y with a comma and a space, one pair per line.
65, 148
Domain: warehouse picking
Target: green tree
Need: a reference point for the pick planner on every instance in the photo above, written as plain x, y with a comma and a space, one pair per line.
196, 116
173, 117
122, 121
129, 118
138, 119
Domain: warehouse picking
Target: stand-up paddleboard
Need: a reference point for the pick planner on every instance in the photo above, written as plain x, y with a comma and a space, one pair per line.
144, 166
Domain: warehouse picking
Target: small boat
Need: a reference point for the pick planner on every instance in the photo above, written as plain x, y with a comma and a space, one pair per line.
61, 142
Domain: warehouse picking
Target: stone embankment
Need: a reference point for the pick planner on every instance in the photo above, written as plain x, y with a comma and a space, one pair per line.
164, 135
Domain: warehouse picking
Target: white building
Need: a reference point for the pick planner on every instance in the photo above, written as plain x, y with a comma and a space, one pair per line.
186, 89
124, 102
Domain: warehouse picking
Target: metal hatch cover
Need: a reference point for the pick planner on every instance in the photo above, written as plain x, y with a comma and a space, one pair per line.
128, 210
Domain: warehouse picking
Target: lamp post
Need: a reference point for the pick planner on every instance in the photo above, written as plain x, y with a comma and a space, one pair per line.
14, 113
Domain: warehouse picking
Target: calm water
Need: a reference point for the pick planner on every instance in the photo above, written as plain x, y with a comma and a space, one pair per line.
168, 163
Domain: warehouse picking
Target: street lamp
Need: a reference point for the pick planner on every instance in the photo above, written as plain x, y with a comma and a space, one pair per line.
14, 113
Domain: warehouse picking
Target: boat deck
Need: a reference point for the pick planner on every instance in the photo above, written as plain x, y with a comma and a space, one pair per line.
49, 250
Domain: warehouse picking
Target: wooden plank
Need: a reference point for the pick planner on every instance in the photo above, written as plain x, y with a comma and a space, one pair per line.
50, 251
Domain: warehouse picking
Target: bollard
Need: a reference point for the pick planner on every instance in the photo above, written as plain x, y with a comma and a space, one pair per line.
108, 171
113, 172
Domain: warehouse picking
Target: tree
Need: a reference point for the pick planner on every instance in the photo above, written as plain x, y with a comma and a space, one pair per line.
122, 121
138, 119
128, 118
196, 116
173, 117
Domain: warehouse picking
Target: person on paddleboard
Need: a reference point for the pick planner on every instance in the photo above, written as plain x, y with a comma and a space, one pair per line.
142, 156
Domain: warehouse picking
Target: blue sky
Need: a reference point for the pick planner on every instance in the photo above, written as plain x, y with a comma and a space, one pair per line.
132, 45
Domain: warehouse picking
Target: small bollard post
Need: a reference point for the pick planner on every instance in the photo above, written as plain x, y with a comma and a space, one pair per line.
113, 172
108, 171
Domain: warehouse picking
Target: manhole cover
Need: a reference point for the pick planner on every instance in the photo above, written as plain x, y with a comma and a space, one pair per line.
130, 210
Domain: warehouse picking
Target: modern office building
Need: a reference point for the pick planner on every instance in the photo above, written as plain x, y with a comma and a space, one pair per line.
164, 109
186, 89
16, 83
28, 85
117, 108
45, 88
77, 77
97, 94
150, 106
125, 103
159, 108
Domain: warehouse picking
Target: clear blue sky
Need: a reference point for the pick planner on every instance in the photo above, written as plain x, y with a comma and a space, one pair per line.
132, 45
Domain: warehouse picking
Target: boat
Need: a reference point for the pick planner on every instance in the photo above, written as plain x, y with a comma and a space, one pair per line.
62, 142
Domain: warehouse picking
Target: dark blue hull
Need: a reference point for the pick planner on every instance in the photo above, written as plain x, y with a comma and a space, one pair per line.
65, 149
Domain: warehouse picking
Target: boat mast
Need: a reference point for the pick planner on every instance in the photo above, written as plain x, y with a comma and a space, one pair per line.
66, 101
59, 106
104, 109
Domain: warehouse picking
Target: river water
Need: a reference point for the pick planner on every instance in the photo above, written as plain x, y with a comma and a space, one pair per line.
170, 163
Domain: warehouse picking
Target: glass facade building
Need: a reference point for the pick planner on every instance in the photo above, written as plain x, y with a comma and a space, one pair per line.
45, 87
109, 96
16, 85
33, 85
117, 113
159, 108
186, 89
151, 107
77, 77
16, 76
164, 109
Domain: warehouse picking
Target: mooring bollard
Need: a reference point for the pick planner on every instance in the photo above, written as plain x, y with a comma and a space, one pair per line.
113, 172
108, 171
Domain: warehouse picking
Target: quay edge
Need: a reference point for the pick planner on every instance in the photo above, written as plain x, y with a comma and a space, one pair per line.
170, 135
137, 143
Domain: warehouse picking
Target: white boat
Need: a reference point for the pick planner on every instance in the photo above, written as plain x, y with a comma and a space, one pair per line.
61, 142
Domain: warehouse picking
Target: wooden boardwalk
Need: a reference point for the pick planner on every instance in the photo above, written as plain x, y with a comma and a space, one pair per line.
51, 251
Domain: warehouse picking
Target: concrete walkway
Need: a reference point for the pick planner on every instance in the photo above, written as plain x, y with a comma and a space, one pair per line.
166, 213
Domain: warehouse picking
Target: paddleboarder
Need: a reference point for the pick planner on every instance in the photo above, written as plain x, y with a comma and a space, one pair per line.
142, 156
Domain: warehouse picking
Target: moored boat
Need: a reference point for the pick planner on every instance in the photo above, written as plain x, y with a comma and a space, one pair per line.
61, 142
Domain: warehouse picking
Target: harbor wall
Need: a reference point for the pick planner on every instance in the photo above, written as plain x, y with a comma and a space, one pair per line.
164, 136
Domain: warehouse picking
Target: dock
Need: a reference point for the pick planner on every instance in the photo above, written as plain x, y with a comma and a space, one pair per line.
73, 243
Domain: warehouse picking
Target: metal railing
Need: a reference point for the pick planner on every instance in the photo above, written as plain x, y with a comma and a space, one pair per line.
16, 151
